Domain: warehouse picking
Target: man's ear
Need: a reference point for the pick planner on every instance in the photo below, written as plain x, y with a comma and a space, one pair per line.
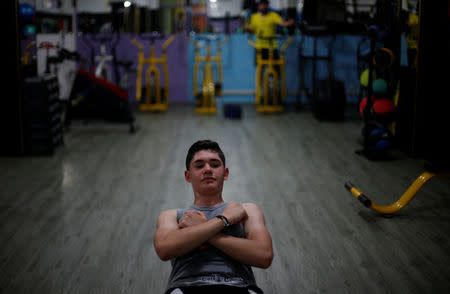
227, 172
187, 176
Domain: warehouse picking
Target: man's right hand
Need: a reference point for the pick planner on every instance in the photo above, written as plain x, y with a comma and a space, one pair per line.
191, 218
235, 213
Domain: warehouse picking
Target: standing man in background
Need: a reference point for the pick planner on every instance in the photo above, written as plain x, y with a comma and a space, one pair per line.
264, 24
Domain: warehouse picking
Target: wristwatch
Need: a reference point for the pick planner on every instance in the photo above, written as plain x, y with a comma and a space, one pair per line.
226, 223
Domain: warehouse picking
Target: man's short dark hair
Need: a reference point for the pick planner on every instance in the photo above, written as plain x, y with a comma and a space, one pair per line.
203, 145
263, 1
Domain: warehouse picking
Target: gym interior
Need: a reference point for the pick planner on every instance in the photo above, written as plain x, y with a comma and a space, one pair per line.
340, 140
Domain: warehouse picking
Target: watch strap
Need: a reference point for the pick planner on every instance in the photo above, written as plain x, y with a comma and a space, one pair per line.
226, 222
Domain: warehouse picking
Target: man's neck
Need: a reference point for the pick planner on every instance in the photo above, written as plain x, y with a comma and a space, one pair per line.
208, 201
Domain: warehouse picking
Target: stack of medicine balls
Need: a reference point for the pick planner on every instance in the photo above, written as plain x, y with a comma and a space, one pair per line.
379, 114
382, 115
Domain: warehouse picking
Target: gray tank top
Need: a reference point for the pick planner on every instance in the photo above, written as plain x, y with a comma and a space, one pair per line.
207, 265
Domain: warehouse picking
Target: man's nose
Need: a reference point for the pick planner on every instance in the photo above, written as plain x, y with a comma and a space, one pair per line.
207, 168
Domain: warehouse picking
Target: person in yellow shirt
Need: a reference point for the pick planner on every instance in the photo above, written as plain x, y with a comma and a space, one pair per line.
264, 24
412, 38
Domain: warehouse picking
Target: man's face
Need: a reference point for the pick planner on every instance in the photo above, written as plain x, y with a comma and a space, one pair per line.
206, 172
263, 7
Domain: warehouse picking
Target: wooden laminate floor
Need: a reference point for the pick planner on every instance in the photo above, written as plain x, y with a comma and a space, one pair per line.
82, 221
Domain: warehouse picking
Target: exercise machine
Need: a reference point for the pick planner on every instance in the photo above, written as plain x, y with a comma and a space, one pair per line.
106, 64
93, 98
156, 97
96, 98
211, 87
123, 79
94, 95
103, 68
121, 68
270, 71
50, 61
104, 61
59, 61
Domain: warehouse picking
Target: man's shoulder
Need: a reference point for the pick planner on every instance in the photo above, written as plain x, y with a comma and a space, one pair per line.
274, 14
251, 206
255, 215
255, 16
167, 218
168, 213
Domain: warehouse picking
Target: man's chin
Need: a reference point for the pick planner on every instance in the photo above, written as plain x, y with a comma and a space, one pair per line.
210, 189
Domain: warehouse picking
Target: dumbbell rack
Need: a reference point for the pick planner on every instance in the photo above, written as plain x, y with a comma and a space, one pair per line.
43, 132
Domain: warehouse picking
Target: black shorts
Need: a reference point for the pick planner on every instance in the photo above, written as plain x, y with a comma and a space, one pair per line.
265, 55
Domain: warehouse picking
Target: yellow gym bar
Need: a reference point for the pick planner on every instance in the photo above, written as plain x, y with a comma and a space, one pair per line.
402, 201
